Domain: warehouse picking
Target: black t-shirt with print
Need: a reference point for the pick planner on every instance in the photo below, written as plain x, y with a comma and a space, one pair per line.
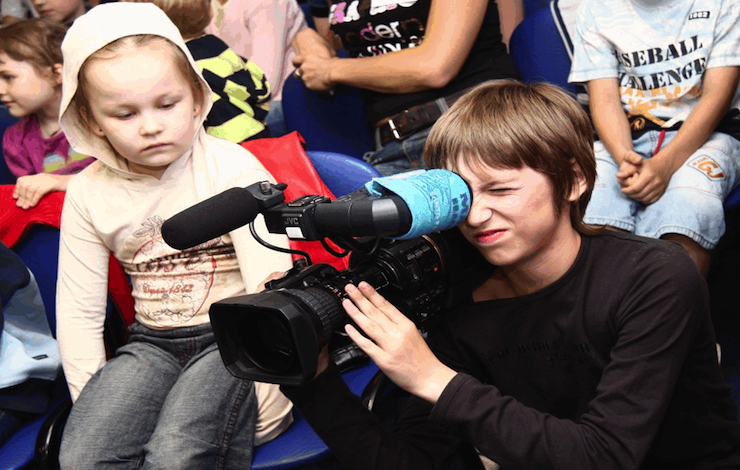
369, 28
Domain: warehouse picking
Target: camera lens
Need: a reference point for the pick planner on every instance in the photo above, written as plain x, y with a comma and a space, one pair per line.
270, 343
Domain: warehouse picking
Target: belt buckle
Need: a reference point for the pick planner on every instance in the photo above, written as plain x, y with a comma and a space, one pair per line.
394, 131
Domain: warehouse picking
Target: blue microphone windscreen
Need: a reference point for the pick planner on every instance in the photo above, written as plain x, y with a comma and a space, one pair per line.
438, 199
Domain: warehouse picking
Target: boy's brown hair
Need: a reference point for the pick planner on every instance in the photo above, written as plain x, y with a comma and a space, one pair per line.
36, 41
509, 124
191, 17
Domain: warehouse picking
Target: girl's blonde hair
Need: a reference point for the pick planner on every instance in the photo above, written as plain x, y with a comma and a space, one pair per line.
81, 100
190, 16
509, 124
36, 41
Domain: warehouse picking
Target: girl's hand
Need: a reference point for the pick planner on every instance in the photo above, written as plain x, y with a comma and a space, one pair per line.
30, 189
395, 344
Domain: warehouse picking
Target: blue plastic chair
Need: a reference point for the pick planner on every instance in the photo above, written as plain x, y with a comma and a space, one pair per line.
299, 445
342, 174
538, 50
334, 123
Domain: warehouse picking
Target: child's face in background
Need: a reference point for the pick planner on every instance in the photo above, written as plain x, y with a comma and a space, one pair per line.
141, 102
24, 90
59, 11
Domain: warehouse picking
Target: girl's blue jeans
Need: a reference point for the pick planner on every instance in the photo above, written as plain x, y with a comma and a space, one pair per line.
164, 401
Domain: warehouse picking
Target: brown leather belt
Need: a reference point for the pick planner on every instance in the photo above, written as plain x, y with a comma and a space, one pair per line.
416, 118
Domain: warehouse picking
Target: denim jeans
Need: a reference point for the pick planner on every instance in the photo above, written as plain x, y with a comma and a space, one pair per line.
165, 401
275, 120
398, 156
692, 203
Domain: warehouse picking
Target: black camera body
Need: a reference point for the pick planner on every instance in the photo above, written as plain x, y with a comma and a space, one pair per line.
275, 336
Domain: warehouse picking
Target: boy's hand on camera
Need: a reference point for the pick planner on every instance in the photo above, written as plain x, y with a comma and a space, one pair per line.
395, 344
30, 189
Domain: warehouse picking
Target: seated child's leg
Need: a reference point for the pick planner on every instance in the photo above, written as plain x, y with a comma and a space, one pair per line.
608, 205
700, 255
213, 415
117, 410
692, 206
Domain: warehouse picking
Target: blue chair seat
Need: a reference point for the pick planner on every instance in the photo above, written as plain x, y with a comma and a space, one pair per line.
340, 173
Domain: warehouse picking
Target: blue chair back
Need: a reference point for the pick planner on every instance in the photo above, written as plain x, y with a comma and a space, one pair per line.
342, 174
538, 50
334, 123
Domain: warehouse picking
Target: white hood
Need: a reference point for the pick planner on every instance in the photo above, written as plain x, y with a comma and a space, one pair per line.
98, 27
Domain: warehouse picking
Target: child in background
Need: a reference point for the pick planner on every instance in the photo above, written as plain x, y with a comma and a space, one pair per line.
60, 11
662, 79
134, 98
241, 94
35, 148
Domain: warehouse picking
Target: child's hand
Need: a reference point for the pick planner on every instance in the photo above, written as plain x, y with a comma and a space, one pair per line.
651, 182
629, 168
30, 189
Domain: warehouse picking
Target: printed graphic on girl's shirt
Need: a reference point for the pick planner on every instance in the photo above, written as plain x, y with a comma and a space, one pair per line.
170, 286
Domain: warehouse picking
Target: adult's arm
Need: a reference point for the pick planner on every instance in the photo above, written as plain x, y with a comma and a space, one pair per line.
511, 13
82, 288
451, 30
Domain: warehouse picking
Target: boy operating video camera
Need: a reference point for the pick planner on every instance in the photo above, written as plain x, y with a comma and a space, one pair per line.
584, 349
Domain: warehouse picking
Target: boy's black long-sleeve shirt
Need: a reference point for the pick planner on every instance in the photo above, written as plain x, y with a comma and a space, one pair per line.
613, 366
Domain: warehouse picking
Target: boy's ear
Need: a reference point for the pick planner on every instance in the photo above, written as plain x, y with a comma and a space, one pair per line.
581, 184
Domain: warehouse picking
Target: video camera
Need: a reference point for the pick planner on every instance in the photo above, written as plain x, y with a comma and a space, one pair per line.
275, 336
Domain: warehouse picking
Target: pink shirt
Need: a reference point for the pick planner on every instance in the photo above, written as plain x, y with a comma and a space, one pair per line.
261, 31
27, 152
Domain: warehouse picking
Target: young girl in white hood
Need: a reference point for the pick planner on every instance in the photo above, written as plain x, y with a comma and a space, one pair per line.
134, 99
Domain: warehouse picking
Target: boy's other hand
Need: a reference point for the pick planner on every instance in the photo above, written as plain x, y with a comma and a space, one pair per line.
30, 189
